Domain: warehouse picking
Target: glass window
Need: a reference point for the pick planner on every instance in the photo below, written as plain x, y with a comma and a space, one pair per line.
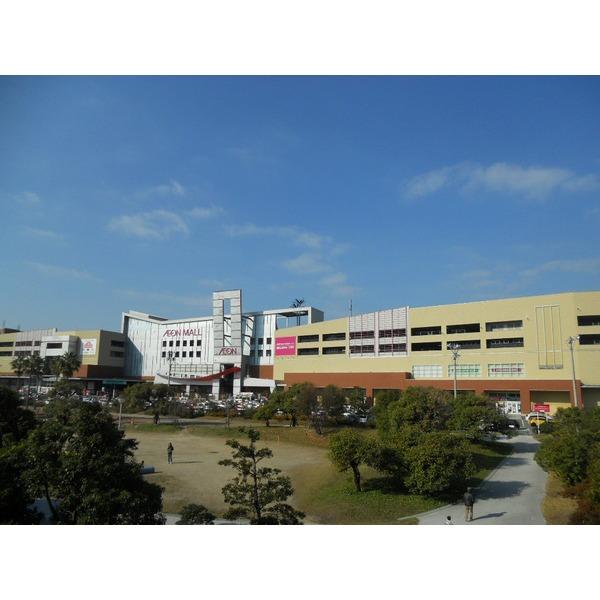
268, 352
588, 321
268, 340
506, 370
116, 354
334, 337
505, 343
432, 330
117, 343
425, 346
176, 354
335, 350
427, 371
308, 338
307, 351
500, 325
260, 341
171, 343
164, 354
185, 342
178, 343
197, 353
191, 342
164, 343
184, 354
465, 371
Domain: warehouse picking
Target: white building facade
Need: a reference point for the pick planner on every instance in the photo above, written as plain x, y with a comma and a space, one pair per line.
226, 353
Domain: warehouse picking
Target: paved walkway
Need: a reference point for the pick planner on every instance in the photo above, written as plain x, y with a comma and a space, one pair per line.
511, 495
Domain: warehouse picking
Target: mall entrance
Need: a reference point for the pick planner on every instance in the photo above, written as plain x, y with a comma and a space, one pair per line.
508, 402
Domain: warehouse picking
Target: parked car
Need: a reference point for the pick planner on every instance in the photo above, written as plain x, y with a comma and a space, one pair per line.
538, 418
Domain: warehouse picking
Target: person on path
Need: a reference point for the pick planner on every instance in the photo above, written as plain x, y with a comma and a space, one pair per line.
170, 453
156, 418
449, 520
469, 500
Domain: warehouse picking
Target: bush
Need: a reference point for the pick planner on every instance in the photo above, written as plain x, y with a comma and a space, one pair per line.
567, 455
439, 462
196, 514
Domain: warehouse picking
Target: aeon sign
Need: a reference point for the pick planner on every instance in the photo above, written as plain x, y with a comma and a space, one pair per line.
227, 354
180, 332
228, 351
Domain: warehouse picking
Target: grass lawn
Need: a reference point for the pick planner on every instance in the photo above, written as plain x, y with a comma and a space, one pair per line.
324, 494
557, 509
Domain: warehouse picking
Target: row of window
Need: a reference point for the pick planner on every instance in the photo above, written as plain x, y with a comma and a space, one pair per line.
28, 343
261, 341
467, 328
327, 337
184, 354
589, 339
326, 351
370, 348
588, 321
469, 344
117, 354
465, 370
383, 333
184, 343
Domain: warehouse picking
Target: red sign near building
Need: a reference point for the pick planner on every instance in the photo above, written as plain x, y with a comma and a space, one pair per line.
541, 408
285, 346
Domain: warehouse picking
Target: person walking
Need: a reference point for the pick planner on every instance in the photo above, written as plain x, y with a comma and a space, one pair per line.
170, 453
468, 500
449, 520
156, 418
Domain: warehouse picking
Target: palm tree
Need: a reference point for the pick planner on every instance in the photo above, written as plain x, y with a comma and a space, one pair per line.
297, 303
35, 368
69, 363
19, 366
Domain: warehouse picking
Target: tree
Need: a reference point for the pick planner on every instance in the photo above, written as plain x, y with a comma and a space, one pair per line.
333, 401
79, 458
138, 394
19, 367
349, 449
35, 368
196, 514
301, 399
297, 303
15, 422
266, 411
475, 414
15, 497
257, 493
440, 461
358, 401
69, 363
65, 389
567, 455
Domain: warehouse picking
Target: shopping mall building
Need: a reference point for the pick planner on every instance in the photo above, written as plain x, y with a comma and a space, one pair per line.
515, 350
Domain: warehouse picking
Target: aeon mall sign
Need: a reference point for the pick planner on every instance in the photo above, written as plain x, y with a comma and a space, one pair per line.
180, 332
227, 354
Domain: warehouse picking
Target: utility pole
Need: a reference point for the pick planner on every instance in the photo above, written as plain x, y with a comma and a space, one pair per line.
571, 341
170, 359
455, 356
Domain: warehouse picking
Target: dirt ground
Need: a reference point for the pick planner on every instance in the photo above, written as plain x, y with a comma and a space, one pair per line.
195, 475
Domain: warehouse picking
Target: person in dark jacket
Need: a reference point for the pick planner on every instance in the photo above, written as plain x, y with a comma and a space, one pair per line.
469, 500
170, 453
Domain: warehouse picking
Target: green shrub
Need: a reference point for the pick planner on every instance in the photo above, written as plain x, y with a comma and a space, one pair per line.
196, 514
438, 463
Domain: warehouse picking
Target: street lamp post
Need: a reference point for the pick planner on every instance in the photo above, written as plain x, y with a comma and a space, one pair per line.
572, 339
120, 410
170, 358
455, 356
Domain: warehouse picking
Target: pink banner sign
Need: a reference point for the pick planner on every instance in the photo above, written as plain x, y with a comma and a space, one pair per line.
541, 408
285, 346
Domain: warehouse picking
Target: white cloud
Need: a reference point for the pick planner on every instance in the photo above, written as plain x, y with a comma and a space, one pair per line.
581, 265
43, 233
298, 236
205, 212
199, 302
156, 224
306, 264
29, 199
58, 271
533, 182
337, 284
173, 188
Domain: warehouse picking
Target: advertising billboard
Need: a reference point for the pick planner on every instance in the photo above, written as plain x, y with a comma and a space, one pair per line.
285, 346
88, 346
541, 408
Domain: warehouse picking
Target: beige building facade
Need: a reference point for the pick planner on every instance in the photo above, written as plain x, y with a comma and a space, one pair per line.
102, 353
516, 350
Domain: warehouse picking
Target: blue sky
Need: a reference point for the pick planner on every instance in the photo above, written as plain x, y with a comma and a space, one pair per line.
148, 193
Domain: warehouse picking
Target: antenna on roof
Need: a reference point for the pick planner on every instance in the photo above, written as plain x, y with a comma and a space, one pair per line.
350, 307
